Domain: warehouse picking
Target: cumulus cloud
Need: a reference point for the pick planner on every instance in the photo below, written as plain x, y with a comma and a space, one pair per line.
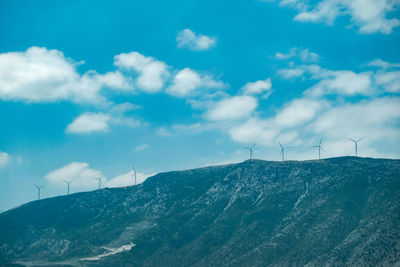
390, 81
297, 112
187, 81
127, 179
197, 42
4, 159
80, 172
42, 75
152, 73
255, 131
340, 82
344, 83
371, 16
258, 87
90, 122
375, 119
236, 107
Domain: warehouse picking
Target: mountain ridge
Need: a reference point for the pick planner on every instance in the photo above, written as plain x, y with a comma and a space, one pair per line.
251, 213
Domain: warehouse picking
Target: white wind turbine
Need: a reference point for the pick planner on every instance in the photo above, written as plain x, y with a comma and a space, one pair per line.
356, 144
319, 148
250, 148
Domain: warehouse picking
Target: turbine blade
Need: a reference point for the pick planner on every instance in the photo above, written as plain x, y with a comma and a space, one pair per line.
360, 139
352, 140
320, 142
323, 149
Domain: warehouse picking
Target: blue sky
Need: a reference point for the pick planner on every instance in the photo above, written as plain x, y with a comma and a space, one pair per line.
90, 88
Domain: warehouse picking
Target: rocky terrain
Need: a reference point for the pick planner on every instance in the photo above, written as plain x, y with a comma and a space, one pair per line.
332, 212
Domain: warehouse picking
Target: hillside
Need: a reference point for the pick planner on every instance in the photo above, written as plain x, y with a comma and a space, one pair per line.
256, 213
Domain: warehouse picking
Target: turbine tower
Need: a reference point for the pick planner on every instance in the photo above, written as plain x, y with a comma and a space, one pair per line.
319, 148
283, 150
38, 188
250, 148
134, 174
68, 182
99, 179
356, 144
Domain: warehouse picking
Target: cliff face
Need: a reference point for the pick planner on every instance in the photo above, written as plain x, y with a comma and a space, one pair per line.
327, 212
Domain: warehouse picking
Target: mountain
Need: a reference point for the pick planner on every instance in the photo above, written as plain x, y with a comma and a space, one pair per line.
338, 211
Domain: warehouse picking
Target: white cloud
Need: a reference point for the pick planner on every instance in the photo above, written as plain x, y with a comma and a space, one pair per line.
236, 107
265, 132
291, 73
375, 119
298, 112
390, 81
152, 72
127, 179
163, 131
90, 122
308, 56
80, 172
197, 42
257, 87
343, 83
371, 16
304, 55
292, 53
186, 81
141, 147
42, 75
255, 131
115, 80
383, 64
4, 159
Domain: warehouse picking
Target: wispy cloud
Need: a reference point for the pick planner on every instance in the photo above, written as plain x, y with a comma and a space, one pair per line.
141, 147
304, 55
4, 159
370, 16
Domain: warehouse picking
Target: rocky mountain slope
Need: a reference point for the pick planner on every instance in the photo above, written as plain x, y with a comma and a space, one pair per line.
257, 213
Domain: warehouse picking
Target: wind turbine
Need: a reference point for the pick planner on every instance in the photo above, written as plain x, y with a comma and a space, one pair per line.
283, 150
356, 143
250, 148
68, 182
134, 173
319, 148
38, 188
99, 179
